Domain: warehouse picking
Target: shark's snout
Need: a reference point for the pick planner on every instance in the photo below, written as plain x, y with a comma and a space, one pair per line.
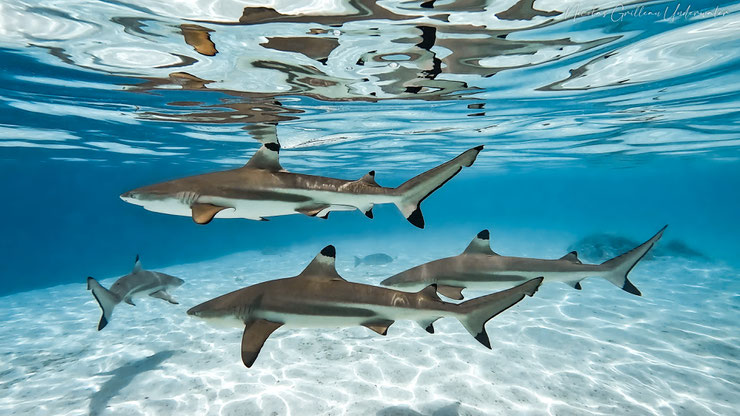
129, 196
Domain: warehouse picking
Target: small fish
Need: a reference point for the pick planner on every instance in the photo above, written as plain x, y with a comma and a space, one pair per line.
262, 188
376, 259
479, 268
138, 283
319, 297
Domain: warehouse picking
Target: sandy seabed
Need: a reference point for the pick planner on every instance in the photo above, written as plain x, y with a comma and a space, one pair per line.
674, 351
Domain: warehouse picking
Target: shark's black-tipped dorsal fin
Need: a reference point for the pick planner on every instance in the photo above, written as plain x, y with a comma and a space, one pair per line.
137, 265
480, 245
267, 158
572, 257
369, 178
322, 266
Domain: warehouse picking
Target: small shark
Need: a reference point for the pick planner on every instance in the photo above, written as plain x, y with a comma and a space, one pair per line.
479, 268
138, 283
262, 188
320, 298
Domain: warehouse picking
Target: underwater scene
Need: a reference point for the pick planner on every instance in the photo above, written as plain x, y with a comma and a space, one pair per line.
358, 207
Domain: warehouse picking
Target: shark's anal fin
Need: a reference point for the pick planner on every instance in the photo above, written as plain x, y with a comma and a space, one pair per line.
255, 334
369, 213
204, 213
129, 301
312, 211
452, 292
266, 158
572, 257
161, 294
481, 244
381, 327
575, 284
428, 325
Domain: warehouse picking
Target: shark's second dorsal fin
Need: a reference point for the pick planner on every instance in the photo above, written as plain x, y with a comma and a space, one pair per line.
481, 244
369, 178
430, 292
137, 265
322, 266
266, 158
572, 257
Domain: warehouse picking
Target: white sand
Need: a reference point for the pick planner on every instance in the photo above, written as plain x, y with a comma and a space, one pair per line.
596, 351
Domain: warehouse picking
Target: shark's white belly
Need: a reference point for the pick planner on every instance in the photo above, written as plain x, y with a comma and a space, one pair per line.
379, 313
494, 284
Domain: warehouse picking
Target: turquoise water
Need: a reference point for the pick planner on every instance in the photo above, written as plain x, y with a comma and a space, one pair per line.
601, 123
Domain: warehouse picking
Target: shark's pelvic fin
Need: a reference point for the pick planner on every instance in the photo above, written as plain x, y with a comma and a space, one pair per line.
323, 265
476, 312
417, 189
161, 294
267, 158
452, 292
137, 265
481, 244
255, 334
428, 325
106, 299
312, 211
619, 267
381, 327
204, 213
129, 301
572, 257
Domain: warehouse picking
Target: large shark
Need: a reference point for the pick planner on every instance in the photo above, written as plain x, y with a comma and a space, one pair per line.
138, 283
262, 188
479, 268
320, 297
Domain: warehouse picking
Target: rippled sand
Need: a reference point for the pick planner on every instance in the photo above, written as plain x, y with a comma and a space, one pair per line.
595, 351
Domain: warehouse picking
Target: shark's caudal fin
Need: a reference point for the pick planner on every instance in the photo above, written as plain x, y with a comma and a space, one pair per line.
418, 188
476, 312
619, 267
106, 299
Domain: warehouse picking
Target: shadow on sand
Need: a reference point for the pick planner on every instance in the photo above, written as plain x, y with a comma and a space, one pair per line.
449, 410
122, 377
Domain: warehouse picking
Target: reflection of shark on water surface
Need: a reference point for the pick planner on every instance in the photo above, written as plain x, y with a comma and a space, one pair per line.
479, 268
320, 297
262, 188
138, 283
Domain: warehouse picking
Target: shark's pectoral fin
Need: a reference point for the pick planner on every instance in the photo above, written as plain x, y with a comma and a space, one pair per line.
161, 294
255, 334
204, 213
575, 284
381, 327
129, 301
452, 292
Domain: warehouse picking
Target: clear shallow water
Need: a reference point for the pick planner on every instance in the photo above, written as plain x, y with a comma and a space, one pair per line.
599, 119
